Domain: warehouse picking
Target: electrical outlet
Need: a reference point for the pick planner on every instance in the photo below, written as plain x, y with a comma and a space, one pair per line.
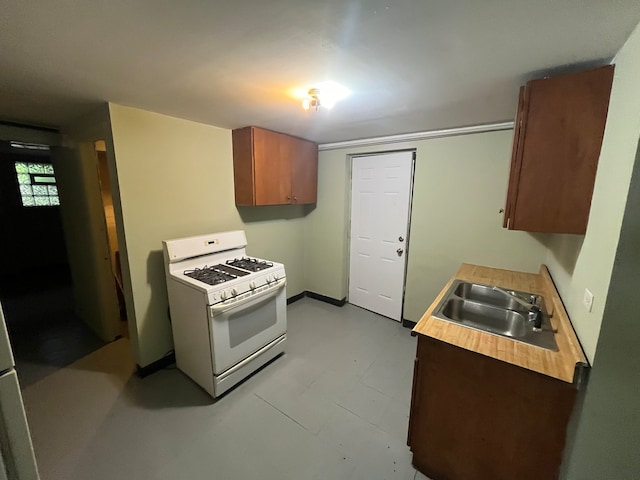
587, 300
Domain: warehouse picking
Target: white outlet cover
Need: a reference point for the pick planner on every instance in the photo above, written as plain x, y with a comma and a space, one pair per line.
587, 300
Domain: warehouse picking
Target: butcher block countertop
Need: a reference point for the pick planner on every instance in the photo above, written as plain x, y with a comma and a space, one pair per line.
565, 364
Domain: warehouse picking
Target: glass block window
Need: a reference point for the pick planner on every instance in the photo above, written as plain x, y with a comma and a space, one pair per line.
37, 184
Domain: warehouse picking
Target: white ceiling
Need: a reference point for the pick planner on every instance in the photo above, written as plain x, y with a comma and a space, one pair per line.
412, 65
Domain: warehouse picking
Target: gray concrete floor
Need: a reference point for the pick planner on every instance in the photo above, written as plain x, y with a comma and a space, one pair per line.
334, 407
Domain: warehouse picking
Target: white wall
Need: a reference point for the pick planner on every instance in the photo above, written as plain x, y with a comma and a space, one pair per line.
460, 185
175, 179
577, 263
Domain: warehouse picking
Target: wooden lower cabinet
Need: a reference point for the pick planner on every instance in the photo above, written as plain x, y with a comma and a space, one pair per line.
474, 417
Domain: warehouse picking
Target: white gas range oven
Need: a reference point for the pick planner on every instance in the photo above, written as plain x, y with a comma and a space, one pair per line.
228, 311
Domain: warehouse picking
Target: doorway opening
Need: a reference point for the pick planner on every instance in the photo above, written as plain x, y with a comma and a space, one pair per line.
36, 285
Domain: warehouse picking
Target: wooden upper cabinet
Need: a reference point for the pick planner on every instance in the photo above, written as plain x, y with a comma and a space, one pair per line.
304, 171
272, 168
557, 139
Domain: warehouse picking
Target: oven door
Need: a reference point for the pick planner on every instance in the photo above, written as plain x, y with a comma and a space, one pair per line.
244, 326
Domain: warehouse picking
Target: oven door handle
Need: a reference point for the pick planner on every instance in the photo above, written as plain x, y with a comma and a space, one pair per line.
221, 308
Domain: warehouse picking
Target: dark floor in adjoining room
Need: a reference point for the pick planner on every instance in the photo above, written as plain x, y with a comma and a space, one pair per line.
44, 331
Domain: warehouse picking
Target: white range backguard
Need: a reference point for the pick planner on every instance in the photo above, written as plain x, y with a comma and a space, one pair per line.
223, 332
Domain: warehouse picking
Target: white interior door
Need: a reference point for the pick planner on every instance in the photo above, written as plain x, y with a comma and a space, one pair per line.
380, 200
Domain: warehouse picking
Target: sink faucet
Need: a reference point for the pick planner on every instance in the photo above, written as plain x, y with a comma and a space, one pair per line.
535, 313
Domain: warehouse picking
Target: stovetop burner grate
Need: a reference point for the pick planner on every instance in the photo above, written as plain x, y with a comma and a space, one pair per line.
251, 264
214, 275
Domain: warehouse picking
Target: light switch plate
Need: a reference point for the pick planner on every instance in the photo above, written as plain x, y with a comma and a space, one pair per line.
587, 300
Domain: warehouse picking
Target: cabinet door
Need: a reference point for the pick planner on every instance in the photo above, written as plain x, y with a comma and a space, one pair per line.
304, 171
557, 154
474, 417
413, 435
516, 159
272, 163
243, 171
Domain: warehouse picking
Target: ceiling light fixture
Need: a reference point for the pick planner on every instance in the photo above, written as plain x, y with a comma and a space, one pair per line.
312, 100
325, 94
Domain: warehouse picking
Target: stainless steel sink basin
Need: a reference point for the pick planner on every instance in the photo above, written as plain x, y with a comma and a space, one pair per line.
486, 317
480, 307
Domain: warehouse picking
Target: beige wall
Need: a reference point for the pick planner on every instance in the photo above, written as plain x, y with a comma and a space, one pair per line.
575, 262
608, 433
459, 187
175, 179
326, 242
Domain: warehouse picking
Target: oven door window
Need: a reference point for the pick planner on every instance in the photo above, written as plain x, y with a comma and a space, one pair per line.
251, 321
244, 328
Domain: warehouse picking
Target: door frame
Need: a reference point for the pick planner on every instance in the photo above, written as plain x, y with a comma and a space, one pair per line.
350, 158
114, 255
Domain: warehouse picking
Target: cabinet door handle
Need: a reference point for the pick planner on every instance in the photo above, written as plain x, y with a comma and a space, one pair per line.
295, 199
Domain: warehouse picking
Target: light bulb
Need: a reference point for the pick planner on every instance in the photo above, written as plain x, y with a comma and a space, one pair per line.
305, 104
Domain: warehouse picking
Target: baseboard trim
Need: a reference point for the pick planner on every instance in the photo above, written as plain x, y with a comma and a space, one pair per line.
323, 298
408, 323
295, 298
156, 366
317, 296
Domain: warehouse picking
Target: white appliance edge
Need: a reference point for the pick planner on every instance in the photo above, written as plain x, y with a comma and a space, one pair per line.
17, 460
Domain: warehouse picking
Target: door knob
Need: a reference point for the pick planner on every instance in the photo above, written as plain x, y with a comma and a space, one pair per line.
399, 252
401, 238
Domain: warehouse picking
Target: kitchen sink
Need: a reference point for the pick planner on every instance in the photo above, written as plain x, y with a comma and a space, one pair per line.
483, 308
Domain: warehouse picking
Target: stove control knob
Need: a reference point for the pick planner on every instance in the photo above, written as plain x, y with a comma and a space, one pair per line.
275, 277
268, 279
252, 285
234, 292
223, 295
